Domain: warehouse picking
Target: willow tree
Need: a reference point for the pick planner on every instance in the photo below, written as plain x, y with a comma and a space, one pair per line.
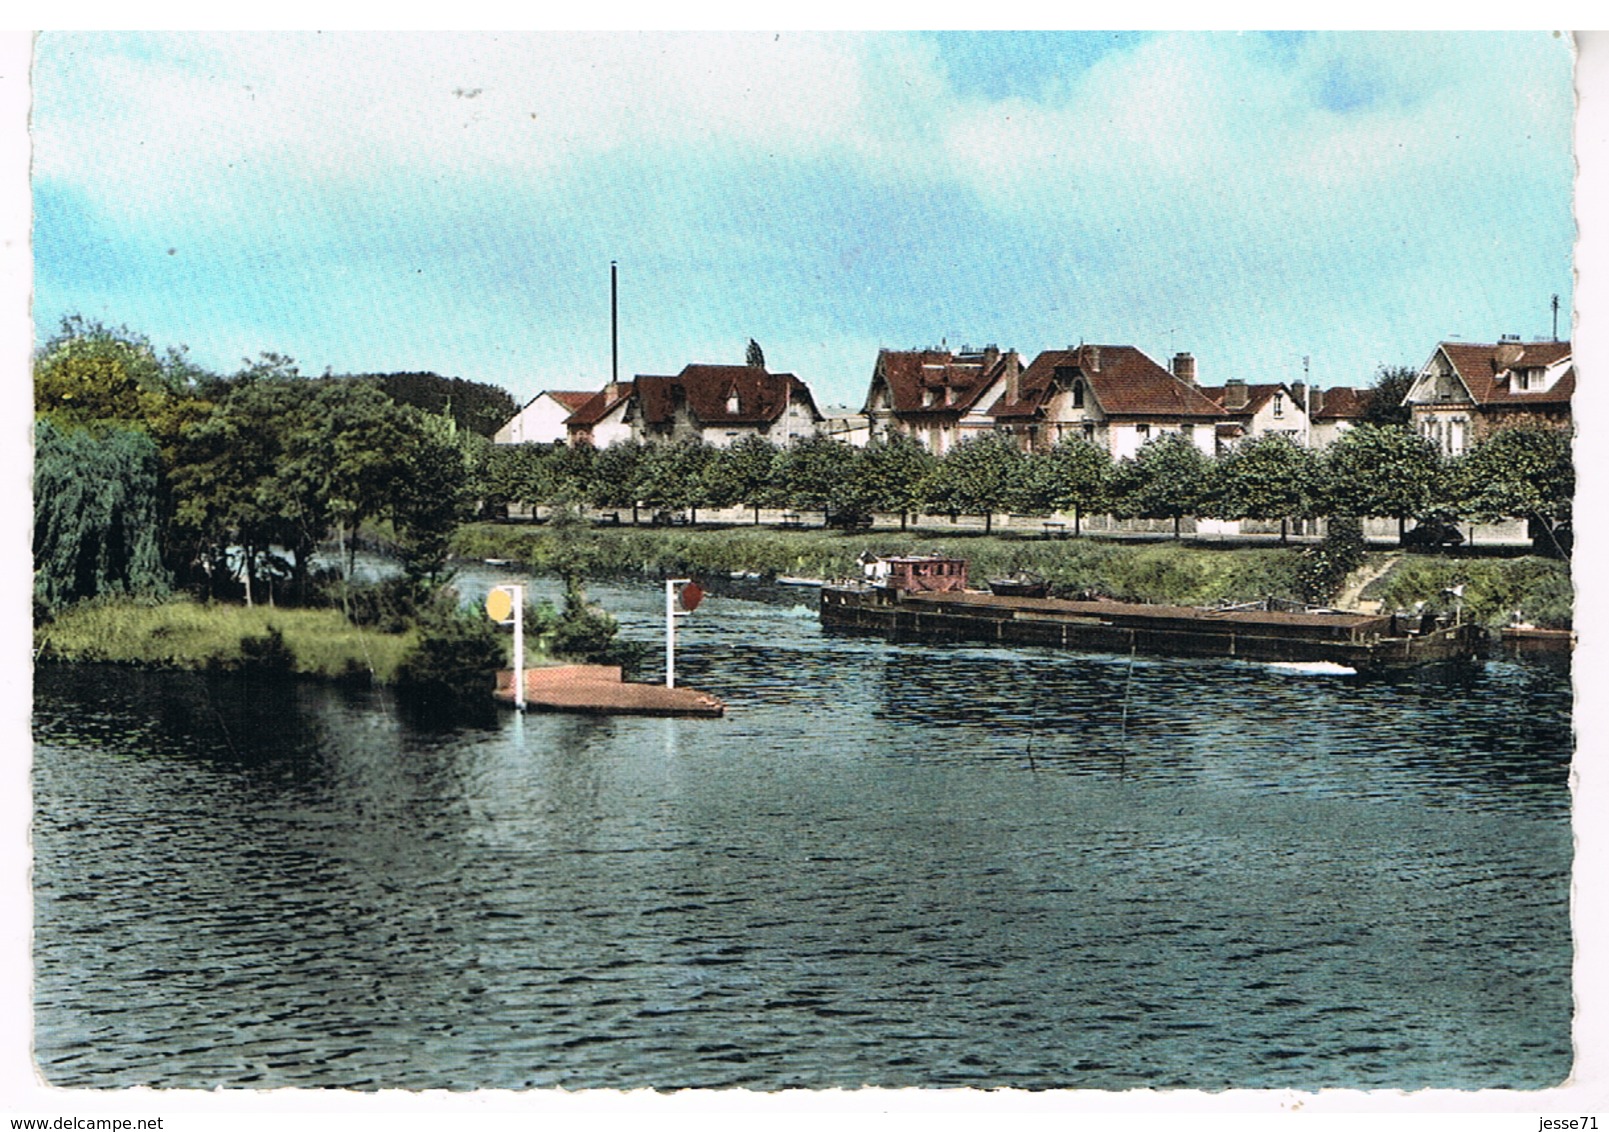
97, 514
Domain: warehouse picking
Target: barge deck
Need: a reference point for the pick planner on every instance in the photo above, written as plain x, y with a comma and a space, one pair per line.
1363, 642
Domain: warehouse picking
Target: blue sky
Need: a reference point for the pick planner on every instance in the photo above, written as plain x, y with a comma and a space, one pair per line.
451, 202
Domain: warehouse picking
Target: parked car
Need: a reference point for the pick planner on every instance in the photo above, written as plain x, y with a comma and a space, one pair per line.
1433, 532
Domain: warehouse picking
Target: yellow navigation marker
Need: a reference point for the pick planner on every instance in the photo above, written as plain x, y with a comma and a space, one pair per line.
499, 605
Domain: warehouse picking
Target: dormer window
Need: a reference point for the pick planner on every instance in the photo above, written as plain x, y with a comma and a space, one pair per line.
731, 402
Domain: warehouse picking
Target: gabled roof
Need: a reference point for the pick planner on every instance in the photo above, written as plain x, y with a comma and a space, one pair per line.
599, 405
1256, 397
1123, 381
956, 379
707, 391
1486, 369
569, 398
1342, 403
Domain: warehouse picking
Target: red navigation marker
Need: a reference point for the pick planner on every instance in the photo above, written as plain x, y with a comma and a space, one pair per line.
692, 593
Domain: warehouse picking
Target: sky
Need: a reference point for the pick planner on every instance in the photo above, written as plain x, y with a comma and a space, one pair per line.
450, 202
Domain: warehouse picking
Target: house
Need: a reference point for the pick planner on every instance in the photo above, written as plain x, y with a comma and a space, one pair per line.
844, 424
542, 419
934, 395
1252, 411
1113, 396
602, 419
717, 404
1467, 391
1335, 410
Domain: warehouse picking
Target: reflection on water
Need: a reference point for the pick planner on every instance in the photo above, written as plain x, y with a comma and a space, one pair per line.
888, 865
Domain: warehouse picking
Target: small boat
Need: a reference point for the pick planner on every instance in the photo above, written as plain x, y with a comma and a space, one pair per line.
790, 580
1020, 586
499, 561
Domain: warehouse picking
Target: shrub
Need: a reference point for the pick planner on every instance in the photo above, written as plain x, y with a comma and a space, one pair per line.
453, 668
1323, 569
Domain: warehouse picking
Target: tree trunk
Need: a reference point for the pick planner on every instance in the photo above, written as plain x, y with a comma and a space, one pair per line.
1402, 529
1177, 519
757, 514
246, 550
1283, 531
1078, 518
988, 522
903, 516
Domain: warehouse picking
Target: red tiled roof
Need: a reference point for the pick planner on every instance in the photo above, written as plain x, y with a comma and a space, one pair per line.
1123, 381
956, 379
1256, 396
707, 391
1342, 403
1486, 370
570, 399
597, 406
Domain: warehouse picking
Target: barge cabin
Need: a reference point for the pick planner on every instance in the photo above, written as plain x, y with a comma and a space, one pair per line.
926, 599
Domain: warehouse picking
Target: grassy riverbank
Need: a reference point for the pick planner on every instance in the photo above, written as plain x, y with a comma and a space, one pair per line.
1168, 572
191, 635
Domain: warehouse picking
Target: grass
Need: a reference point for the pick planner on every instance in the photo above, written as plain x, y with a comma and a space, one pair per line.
191, 635
1540, 589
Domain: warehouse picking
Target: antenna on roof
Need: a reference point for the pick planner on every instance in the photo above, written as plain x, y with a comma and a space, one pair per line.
614, 325
1555, 318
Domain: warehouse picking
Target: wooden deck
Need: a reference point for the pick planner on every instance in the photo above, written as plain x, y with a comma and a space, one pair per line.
600, 690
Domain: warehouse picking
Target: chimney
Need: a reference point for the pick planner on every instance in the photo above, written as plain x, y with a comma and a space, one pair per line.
1092, 359
1235, 396
1013, 372
1184, 368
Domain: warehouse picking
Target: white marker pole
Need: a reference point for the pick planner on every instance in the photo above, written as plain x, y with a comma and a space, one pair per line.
670, 632
518, 593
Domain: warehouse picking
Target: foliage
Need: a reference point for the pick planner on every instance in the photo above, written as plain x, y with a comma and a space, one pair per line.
1522, 471
92, 374
96, 515
892, 473
812, 474
743, 473
1168, 478
1390, 386
976, 477
1268, 477
1538, 589
1385, 470
453, 667
755, 356
616, 475
1073, 476
1324, 568
433, 492
474, 406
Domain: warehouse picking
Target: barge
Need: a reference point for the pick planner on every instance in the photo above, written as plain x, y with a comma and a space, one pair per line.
926, 599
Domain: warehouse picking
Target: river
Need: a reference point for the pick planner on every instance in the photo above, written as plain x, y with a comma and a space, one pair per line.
888, 865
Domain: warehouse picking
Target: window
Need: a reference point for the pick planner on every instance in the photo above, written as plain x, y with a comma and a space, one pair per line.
1279, 404
1089, 430
1143, 431
1078, 394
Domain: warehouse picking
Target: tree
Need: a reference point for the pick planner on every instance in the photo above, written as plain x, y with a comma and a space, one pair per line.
1073, 476
432, 494
892, 471
756, 356
672, 475
90, 374
1526, 472
1385, 470
1168, 478
743, 473
977, 477
815, 474
1390, 386
1268, 477
616, 478
96, 514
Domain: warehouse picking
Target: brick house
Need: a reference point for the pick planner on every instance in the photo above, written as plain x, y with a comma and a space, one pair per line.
1467, 391
935, 395
717, 404
1114, 396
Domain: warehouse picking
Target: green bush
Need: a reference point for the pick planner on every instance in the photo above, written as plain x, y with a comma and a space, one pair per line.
453, 667
1324, 568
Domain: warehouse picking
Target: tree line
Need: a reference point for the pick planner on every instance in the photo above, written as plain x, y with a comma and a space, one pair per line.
153, 474
1372, 470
